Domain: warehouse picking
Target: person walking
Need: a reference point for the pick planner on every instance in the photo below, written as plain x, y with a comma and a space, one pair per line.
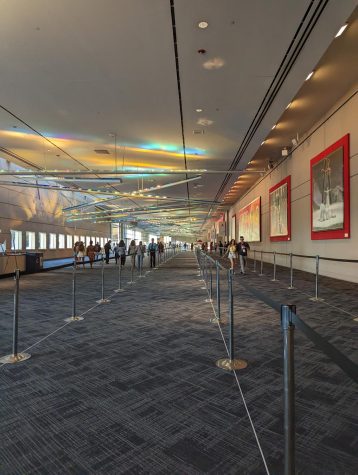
91, 253
140, 255
116, 252
81, 253
97, 248
107, 250
132, 251
152, 249
122, 252
221, 248
232, 254
243, 248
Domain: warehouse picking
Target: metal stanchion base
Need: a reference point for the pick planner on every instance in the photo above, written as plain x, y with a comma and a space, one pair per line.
209, 300
155, 268
74, 319
260, 275
229, 365
103, 301
290, 287
203, 288
316, 299
15, 359
274, 280
118, 290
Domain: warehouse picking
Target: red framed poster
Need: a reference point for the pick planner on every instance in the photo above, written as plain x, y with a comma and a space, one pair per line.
330, 214
250, 221
280, 210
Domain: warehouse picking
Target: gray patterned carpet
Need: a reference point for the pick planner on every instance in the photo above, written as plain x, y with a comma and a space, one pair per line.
133, 388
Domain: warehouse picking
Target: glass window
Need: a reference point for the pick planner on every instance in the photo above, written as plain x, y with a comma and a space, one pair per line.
69, 241
42, 241
52, 241
88, 240
75, 239
102, 241
138, 235
16, 240
30, 240
61, 241
83, 239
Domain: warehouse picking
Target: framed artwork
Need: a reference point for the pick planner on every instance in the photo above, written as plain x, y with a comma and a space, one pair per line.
330, 215
250, 221
280, 210
233, 227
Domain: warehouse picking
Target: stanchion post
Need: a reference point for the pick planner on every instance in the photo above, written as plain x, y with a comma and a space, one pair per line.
74, 317
102, 299
15, 357
291, 272
316, 297
262, 264
119, 279
218, 291
231, 318
274, 267
288, 329
254, 260
231, 363
210, 299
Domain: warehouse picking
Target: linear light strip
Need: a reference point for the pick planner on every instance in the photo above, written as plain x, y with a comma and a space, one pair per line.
73, 173
96, 192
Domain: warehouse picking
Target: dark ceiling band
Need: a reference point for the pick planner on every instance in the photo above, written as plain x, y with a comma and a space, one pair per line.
297, 43
176, 55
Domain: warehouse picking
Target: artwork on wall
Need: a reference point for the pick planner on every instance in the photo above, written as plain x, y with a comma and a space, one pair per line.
330, 218
250, 221
233, 227
280, 210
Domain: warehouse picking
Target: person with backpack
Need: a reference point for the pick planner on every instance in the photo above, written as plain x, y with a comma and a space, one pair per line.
91, 253
152, 249
80, 250
97, 249
140, 254
242, 249
107, 250
132, 251
122, 252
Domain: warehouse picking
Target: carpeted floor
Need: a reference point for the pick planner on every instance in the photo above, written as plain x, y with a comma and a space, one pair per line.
133, 388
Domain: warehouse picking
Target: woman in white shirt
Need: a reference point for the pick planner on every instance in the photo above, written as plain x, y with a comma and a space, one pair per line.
132, 251
232, 254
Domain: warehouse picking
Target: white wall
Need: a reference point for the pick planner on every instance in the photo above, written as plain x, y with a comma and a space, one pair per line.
28, 209
343, 121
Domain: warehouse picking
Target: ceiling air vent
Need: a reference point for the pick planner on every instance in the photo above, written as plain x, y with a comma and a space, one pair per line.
102, 151
198, 132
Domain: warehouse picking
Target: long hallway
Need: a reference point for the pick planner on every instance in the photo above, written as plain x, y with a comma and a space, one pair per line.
133, 388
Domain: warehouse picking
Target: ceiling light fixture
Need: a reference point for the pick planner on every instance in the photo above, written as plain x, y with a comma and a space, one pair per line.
274, 127
288, 105
263, 142
341, 30
309, 76
199, 110
203, 24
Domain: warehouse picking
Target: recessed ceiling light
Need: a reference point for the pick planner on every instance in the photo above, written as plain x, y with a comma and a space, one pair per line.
341, 30
263, 142
274, 127
203, 24
309, 76
288, 105
199, 110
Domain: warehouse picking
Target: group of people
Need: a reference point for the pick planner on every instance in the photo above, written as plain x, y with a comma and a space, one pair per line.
91, 251
136, 252
237, 250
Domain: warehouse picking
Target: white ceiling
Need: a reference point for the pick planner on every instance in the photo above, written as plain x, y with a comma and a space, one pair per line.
77, 70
